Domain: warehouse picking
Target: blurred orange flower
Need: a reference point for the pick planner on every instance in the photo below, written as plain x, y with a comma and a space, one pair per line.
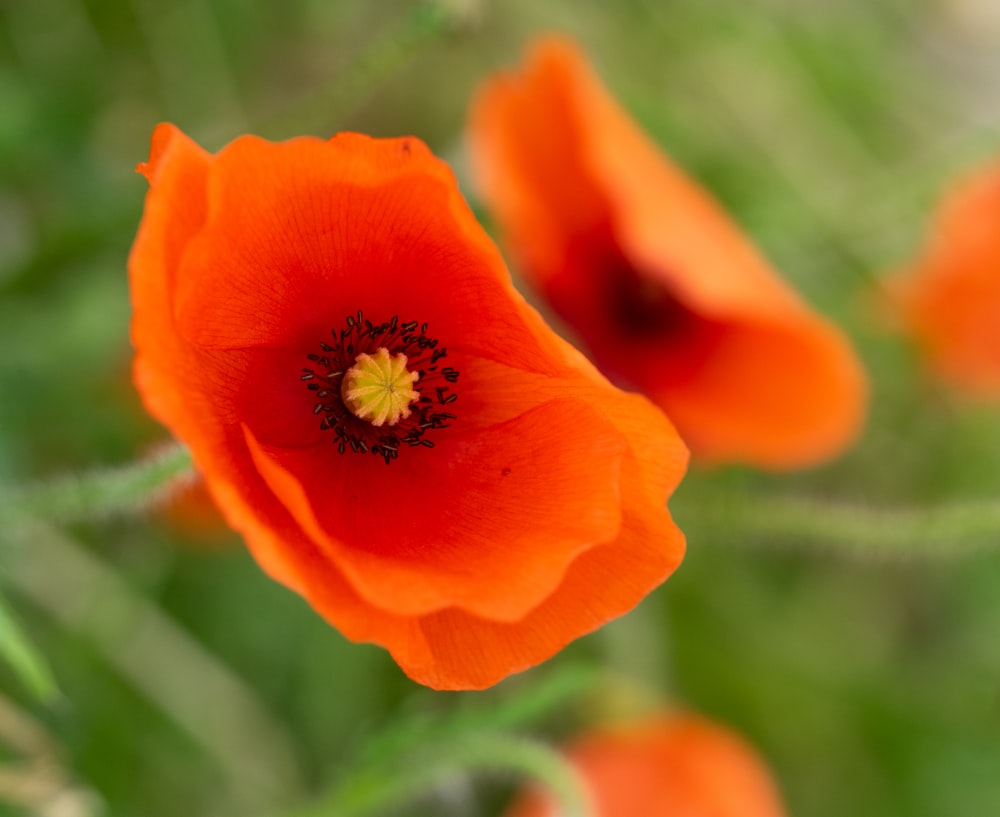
950, 298
671, 766
664, 291
189, 509
396, 433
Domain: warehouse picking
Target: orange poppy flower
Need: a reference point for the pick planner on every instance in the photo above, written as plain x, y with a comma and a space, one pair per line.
671, 766
950, 299
663, 290
396, 433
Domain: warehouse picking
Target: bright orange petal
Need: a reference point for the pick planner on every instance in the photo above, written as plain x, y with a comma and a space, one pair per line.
421, 551
177, 171
175, 211
456, 650
315, 210
466, 651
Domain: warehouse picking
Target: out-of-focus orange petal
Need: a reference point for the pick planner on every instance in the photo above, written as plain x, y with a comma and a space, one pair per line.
665, 292
495, 511
816, 388
950, 298
668, 766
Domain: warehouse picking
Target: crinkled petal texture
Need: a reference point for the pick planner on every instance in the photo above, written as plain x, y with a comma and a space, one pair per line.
950, 298
671, 766
535, 515
664, 291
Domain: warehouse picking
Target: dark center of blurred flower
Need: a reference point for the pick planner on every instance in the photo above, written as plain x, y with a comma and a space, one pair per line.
644, 307
380, 387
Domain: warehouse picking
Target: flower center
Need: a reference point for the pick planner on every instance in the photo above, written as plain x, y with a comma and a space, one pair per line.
645, 309
379, 388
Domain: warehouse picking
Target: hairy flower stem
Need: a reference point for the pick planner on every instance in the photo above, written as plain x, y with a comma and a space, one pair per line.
373, 791
856, 530
948, 529
100, 493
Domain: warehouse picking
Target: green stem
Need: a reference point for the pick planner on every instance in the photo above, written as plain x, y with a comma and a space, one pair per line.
953, 529
374, 791
100, 493
26, 661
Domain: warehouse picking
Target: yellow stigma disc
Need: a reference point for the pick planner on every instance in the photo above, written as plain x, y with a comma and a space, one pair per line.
379, 388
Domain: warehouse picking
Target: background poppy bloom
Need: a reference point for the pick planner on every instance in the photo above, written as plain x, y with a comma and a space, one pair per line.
398, 436
950, 299
191, 511
671, 766
665, 292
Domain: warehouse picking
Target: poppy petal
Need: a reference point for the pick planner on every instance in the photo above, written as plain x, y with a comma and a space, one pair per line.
518, 462
594, 590
177, 171
665, 292
497, 571
453, 649
669, 764
301, 212
949, 298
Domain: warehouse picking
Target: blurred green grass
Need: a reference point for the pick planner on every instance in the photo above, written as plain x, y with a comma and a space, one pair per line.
828, 128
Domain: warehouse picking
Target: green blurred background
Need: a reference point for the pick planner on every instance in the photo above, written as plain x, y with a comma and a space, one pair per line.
190, 684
